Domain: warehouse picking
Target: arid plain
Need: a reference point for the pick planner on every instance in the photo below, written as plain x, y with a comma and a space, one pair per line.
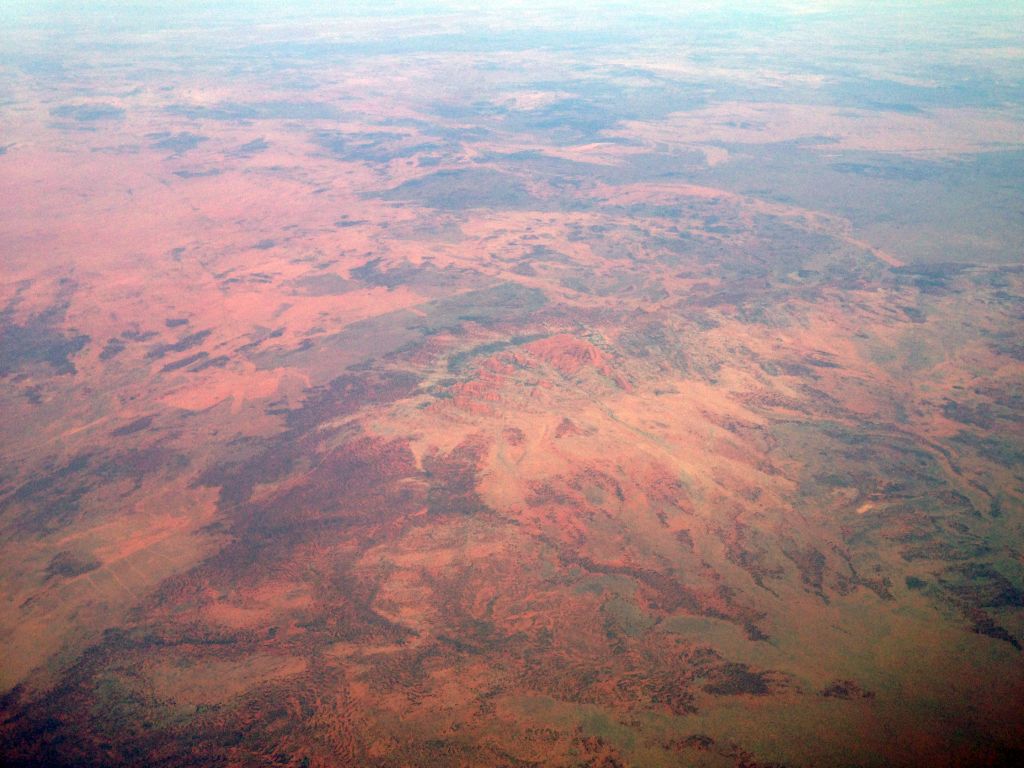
477, 389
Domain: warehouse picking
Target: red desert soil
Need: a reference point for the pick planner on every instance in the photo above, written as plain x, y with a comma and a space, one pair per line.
483, 406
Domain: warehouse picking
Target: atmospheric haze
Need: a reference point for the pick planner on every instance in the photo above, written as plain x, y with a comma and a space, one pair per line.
555, 384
